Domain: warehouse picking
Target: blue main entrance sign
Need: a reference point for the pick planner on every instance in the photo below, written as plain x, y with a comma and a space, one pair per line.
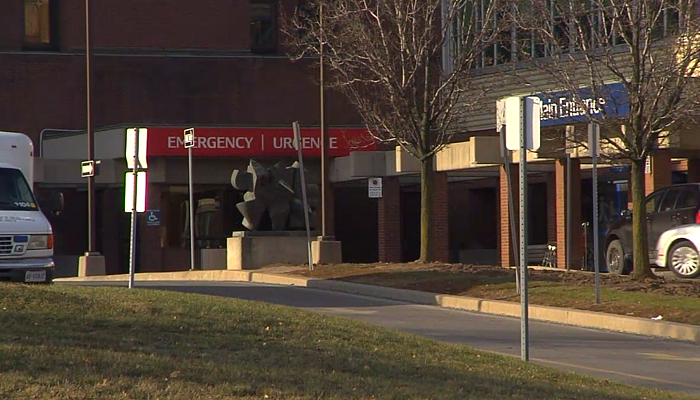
560, 108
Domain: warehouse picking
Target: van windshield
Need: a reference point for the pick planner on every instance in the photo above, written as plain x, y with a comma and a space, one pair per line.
15, 193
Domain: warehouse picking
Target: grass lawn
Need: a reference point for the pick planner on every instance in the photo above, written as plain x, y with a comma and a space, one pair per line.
677, 301
60, 342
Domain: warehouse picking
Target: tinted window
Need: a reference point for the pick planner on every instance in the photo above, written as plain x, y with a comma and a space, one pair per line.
15, 193
669, 200
652, 202
688, 198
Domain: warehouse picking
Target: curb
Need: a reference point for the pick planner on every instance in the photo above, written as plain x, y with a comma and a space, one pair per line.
563, 316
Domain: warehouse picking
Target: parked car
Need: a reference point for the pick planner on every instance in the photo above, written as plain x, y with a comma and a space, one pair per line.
666, 208
677, 249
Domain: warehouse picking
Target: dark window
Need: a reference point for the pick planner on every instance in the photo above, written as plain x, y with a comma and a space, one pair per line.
652, 202
263, 26
40, 24
669, 201
688, 199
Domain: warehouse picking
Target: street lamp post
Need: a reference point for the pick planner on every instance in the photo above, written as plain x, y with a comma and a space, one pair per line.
324, 130
91, 263
326, 250
90, 131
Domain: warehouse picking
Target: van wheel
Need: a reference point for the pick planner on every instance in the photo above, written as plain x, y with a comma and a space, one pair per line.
615, 259
683, 260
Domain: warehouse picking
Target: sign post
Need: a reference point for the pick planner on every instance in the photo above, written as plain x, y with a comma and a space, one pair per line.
522, 118
297, 145
567, 228
135, 185
593, 146
507, 161
189, 144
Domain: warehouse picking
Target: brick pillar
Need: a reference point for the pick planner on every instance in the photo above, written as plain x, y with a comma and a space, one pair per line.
441, 211
575, 235
694, 170
660, 171
389, 221
551, 208
508, 256
150, 250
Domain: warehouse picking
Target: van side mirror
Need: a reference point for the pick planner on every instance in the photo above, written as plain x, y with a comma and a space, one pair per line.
626, 213
51, 202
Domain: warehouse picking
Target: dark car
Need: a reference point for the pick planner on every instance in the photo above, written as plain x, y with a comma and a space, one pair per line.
666, 208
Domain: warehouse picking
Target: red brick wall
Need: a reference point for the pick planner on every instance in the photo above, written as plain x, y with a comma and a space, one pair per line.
11, 28
575, 235
660, 171
173, 24
508, 256
139, 24
45, 91
389, 221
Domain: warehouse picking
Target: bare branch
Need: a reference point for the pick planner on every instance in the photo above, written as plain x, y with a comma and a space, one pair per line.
387, 58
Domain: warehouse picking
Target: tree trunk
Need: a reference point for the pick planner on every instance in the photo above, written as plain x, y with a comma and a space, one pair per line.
640, 243
426, 210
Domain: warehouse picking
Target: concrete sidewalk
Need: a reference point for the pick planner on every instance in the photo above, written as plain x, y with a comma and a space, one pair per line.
566, 316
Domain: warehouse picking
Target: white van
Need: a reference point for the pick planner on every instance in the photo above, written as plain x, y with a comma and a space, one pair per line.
26, 237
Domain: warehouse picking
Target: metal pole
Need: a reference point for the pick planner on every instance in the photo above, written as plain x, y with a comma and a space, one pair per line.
584, 226
524, 334
134, 172
596, 260
297, 144
192, 238
324, 129
90, 130
567, 233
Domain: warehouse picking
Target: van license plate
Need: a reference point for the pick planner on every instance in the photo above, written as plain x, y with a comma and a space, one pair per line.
35, 276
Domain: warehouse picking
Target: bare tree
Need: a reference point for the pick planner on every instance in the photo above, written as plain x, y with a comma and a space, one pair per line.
628, 65
387, 57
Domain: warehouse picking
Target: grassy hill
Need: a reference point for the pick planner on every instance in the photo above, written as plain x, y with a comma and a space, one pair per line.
73, 342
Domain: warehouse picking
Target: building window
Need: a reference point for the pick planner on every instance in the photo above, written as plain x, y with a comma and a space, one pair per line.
263, 26
39, 24
573, 25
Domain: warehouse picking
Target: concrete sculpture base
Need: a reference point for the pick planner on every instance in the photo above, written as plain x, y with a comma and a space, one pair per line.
326, 250
253, 250
91, 264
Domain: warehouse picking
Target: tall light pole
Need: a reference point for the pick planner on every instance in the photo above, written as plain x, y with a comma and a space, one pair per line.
90, 130
324, 130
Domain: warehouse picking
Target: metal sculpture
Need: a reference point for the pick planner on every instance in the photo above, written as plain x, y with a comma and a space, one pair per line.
275, 191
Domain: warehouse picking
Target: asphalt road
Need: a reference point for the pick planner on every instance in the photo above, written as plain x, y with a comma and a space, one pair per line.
664, 364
